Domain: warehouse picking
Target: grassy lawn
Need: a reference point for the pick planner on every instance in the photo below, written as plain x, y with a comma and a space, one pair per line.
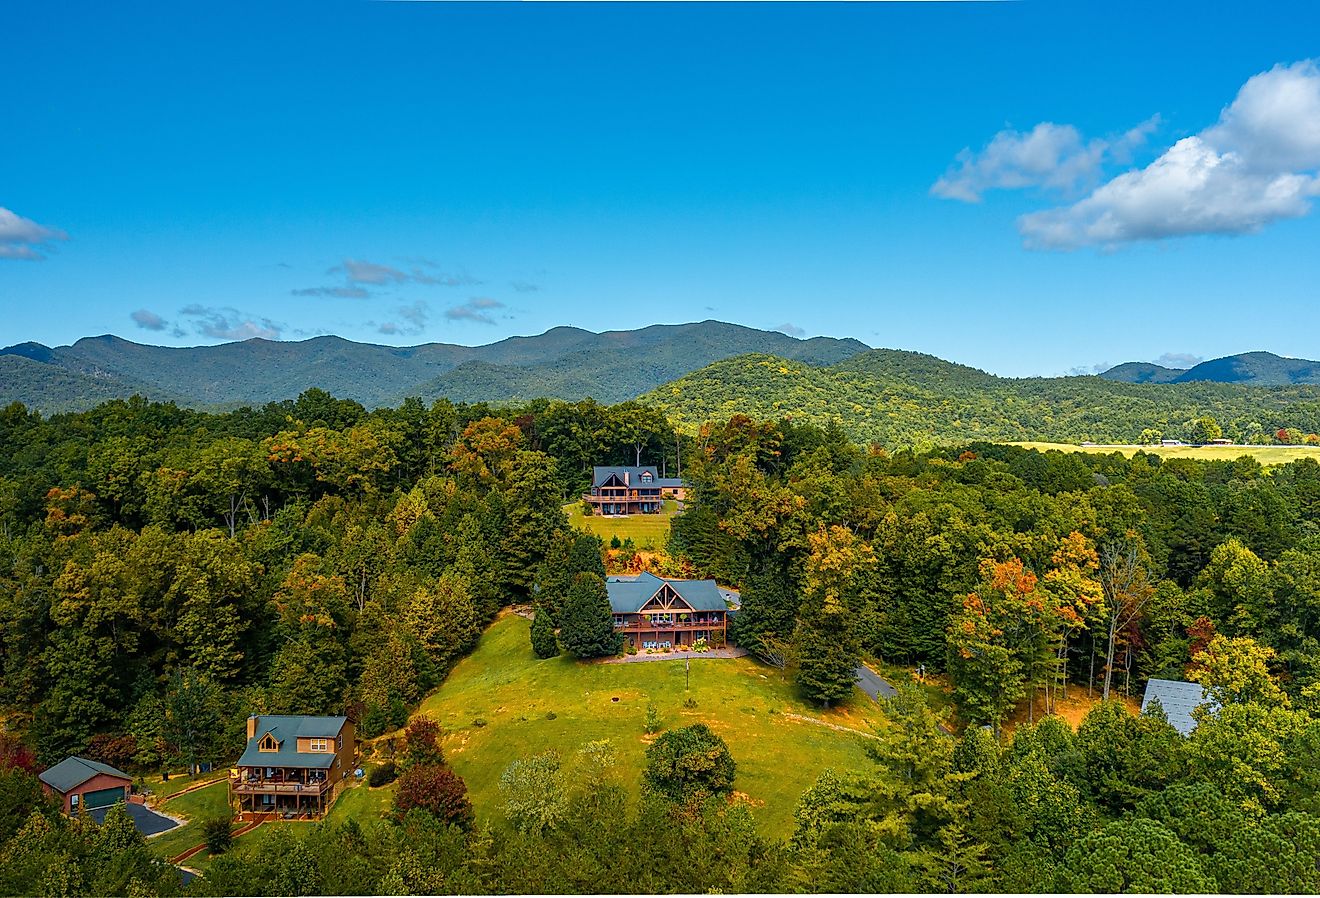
646, 530
1266, 455
194, 808
504, 684
178, 782
360, 802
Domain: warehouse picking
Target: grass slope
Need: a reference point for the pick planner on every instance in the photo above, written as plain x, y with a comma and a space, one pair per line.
646, 530
504, 684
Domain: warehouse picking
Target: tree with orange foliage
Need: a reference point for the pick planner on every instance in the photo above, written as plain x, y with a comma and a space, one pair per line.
1002, 641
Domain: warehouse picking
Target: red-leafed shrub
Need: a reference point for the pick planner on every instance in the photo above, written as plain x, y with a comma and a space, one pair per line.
421, 743
434, 788
14, 754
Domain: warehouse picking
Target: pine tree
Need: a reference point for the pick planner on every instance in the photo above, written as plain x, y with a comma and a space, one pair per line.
543, 635
828, 655
586, 622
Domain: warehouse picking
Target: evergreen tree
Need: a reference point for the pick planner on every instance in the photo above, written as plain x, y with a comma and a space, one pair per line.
587, 624
828, 655
543, 635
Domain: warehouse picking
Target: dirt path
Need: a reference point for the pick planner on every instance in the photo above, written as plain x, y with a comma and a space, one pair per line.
832, 726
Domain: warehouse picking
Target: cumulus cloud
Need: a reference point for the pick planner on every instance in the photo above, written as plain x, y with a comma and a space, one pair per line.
148, 320
1178, 360
1256, 165
791, 329
225, 323
1089, 370
22, 238
1051, 156
340, 292
360, 274
477, 309
413, 320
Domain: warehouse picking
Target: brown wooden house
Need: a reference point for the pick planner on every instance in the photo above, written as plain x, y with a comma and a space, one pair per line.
653, 613
632, 490
293, 766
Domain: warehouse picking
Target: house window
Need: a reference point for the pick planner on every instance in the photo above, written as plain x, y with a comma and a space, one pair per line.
320, 745
339, 743
646, 477
268, 743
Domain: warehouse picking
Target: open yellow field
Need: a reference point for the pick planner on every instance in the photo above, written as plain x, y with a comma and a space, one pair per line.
1266, 455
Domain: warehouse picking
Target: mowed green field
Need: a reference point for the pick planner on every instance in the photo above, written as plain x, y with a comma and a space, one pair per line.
1266, 455
646, 530
506, 686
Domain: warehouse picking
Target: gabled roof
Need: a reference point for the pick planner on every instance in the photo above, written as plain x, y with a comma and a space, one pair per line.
627, 596
1178, 699
602, 473
287, 729
73, 771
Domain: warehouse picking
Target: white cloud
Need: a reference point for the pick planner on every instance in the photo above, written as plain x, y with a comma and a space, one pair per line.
1255, 166
360, 272
230, 324
791, 329
1178, 360
1049, 155
340, 292
22, 238
148, 320
477, 309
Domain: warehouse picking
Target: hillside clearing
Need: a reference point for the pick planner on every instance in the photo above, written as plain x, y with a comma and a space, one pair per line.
503, 685
647, 531
1266, 455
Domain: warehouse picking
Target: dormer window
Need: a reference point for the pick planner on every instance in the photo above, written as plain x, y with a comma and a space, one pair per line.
319, 745
268, 743
646, 477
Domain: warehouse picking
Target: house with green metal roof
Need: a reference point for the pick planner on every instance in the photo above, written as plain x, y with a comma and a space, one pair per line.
84, 783
292, 766
651, 612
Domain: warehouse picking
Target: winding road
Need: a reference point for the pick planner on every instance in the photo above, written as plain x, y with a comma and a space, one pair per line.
873, 684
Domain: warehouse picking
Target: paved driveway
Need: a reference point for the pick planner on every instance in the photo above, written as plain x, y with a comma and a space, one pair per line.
147, 821
873, 684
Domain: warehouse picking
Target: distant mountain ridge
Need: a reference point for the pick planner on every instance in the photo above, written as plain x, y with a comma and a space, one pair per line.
562, 363
1261, 369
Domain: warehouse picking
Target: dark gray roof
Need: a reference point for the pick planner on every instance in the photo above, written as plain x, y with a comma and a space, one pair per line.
286, 729
73, 771
602, 473
627, 596
1178, 699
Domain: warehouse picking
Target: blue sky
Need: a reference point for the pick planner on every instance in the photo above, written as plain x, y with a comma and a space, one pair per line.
1030, 188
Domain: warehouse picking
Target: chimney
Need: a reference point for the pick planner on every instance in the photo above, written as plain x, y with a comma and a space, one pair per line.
626, 476
252, 727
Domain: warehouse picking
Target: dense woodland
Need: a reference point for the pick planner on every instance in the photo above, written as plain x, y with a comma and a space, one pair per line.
907, 399
164, 573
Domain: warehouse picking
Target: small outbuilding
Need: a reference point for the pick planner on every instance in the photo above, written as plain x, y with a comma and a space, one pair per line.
81, 783
1178, 699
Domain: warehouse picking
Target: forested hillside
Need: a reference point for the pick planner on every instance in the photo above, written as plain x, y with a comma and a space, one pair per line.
907, 399
563, 363
1258, 369
161, 567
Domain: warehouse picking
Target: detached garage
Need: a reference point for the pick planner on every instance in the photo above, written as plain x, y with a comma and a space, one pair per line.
81, 783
